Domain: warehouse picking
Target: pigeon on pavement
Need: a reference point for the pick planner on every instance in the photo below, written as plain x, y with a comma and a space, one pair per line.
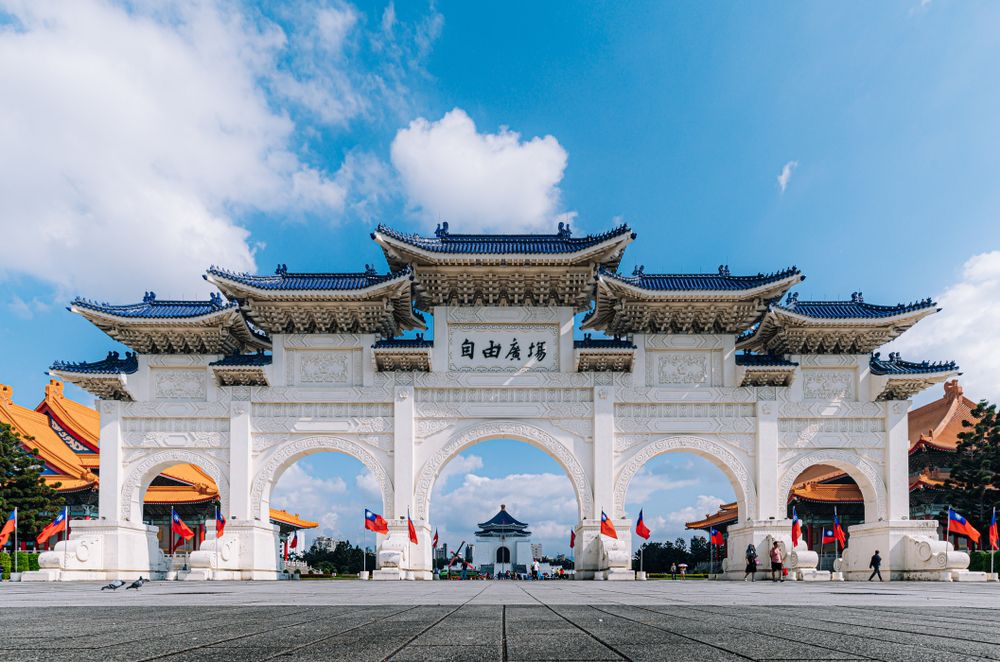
137, 583
114, 586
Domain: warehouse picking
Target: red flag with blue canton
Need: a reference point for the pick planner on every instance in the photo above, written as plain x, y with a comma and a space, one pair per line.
435, 543
8, 527
641, 529
994, 536
796, 528
838, 531
178, 526
220, 523
57, 525
412, 529
572, 539
828, 536
716, 537
375, 522
958, 524
607, 528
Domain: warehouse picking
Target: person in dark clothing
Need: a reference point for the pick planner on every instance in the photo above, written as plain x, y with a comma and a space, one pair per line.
876, 565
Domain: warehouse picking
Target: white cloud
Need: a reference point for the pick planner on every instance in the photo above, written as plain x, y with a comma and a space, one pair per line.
645, 484
704, 505
964, 331
26, 309
786, 174
479, 181
460, 465
135, 136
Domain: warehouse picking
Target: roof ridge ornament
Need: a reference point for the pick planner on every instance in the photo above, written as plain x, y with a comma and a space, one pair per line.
724, 270
639, 270
149, 297
857, 297
282, 270
370, 270
442, 230
564, 231
215, 299
792, 301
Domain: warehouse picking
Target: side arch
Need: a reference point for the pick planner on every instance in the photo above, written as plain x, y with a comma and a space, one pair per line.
516, 430
865, 473
142, 473
290, 452
715, 452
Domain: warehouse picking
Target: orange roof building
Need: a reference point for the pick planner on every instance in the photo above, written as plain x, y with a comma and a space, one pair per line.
933, 432
67, 436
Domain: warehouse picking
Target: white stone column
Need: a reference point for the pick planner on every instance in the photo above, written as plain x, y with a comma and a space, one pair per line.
604, 452
110, 494
897, 462
403, 458
770, 504
240, 463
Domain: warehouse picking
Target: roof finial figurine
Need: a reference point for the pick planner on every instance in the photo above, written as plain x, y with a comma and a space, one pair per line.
564, 231
370, 270
442, 230
216, 299
723, 269
792, 300
857, 297
149, 297
281, 270
639, 270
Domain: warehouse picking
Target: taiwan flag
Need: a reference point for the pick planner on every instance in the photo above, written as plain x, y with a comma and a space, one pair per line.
220, 523
8, 527
178, 526
295, 540
838, 531
607, 528
796, 528
434, 544
958, 524
994, 534
572, 539
375, 522
412, 529
641, 529
716, 537
828, 537
57, 525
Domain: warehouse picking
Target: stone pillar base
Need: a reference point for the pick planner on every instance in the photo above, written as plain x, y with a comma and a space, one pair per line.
387, 574
99, 550
761, 535
910, 550
599, 557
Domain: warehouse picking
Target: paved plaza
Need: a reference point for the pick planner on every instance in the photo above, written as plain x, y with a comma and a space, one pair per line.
657, 620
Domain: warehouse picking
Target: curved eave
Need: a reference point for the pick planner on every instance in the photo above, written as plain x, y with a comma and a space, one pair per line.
767, 290
206, 319
397, 250
909, 317
235, 289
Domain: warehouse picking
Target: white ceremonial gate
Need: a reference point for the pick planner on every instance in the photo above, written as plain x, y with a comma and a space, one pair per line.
294, 364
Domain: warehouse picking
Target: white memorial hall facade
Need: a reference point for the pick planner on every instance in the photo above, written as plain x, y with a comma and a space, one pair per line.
281, 366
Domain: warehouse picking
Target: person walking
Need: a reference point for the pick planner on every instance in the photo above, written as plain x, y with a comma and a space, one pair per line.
751, 569
673, 571
776, 562
876, 565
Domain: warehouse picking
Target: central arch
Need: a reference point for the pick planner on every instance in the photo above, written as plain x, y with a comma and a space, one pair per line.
517, 431
715, 452
291, 452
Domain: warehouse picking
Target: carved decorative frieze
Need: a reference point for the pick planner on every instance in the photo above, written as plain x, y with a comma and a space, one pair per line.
311, 410
831, 432
685, 410
174, 409
325, 426
178, 424
506, 430
199, 439
509, 395
549, 380
283, 394
325, 341
504, 315
179, 384
828, 384
323, 368
486, 409
684, 341
680, 367
831, 409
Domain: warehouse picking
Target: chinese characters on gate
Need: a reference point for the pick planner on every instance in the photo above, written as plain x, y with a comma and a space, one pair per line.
495, 350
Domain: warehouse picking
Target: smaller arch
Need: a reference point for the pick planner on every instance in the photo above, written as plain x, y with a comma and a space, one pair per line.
866, 474
518, 431
290, 452
503, 554
715, 452
140, 474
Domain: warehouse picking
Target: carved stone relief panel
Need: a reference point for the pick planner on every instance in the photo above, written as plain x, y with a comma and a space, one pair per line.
683, 368
179, 384
321, 368
828, 384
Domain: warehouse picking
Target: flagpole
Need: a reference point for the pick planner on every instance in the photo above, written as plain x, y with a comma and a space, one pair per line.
15, 541
66, 546
217, 540
987, 536
364, 542
947, 528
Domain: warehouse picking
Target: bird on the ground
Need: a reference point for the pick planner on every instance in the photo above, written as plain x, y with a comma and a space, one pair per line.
114, 586
137, 583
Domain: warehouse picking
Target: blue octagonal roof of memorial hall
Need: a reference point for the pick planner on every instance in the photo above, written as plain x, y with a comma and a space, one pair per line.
855, 308
562, 242
113, 364
152, 308
284, 280
722, 280
895, 365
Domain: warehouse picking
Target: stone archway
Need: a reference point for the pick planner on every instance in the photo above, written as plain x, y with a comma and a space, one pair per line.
518, 431
290, 452
717, 453
863, 471
142, 473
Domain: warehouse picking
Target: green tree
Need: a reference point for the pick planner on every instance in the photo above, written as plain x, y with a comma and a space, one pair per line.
345, 558
21, 485
973, 486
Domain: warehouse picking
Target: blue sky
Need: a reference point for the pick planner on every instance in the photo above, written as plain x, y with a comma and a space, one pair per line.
146, 141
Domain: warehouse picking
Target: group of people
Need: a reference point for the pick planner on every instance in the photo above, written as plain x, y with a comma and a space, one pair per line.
778, 571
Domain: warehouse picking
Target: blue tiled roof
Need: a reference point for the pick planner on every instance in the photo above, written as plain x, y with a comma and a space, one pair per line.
112, 365
894, 365
747, 359
404, 343
502, 519
590, 342
504, 244
153, 308
856, 308
284, 280
689, 282
241, 360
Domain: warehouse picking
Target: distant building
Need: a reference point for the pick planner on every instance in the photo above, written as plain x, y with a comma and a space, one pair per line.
325, 544
503, 543
536, 550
